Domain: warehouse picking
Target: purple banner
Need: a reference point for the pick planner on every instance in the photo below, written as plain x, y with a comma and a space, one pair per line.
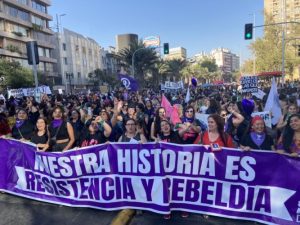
260, 186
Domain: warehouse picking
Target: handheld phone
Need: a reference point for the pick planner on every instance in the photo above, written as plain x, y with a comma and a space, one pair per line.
215, 147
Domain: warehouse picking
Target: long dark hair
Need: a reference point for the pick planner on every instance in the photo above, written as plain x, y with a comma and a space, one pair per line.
46, 125
220, 127
288, 134
157, 121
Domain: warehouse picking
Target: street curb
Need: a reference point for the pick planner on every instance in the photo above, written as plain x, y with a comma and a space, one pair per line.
123, 217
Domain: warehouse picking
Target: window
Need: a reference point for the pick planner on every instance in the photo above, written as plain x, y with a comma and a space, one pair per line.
17, 13
38, 21
49, 67
16, 29
24, 2
64, 46
65, 61
79, 75
39, 6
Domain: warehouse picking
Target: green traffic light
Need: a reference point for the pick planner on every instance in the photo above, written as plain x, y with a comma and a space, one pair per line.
248, 35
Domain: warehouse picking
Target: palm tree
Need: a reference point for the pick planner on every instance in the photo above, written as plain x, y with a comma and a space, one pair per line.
144, 60
175, 68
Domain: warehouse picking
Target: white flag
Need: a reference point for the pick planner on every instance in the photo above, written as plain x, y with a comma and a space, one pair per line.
188, 95
272, 103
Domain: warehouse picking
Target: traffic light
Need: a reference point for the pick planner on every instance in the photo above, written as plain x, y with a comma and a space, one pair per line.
166, 48
298, 50
34, 53
248, 31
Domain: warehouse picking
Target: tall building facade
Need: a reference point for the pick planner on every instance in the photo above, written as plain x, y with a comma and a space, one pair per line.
27, 20
176, 53
78, 58
125, 40
227, 61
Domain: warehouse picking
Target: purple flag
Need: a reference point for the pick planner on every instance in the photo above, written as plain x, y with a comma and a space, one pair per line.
261, 186
129, 82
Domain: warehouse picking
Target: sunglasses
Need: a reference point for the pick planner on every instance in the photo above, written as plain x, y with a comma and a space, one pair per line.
190, 111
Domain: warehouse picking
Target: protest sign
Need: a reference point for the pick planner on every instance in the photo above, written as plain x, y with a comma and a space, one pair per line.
202, 117
260, 94
249, 84
159, 177
168, 85
266, 116
21, 92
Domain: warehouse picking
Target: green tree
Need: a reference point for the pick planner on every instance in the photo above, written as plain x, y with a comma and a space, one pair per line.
175, 67
144, 60
267, 51
15, 75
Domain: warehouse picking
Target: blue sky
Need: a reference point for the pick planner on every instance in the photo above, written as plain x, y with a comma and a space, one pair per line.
197, 25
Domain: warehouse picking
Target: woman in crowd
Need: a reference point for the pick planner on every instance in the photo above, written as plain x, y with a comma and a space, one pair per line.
190, 127
291, 109
290, 140
257, 137
131, 135
236, 125
40, 136
94, 136
33, 111
4, 126
155, 126
23, 128
215, 133
213, 107
77, 125
167, 134
61, 132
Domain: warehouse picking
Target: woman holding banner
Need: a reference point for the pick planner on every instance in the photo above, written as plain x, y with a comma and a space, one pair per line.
40, 136
191, 127
23, 128
257, 137
61, 132
215, 134
131, 133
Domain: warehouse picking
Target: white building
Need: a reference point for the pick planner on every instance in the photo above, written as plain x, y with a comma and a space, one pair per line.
77, 56
226, 60
176, 53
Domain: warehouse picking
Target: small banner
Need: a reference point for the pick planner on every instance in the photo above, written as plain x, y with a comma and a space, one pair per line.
21, 92
168, 85
249, 84
261, 186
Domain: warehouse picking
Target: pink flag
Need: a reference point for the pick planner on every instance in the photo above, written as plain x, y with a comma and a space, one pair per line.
175, 115
167, 105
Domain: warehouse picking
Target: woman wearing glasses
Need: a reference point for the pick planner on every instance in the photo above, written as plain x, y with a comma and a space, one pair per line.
131, 135
190, 127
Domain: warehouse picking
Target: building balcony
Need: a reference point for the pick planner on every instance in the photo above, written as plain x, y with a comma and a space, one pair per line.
25, 39
46, 2
29, 9
13, 54
46, 59
49, 74
15, 20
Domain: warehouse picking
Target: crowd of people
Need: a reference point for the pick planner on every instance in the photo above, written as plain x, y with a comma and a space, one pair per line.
62, 122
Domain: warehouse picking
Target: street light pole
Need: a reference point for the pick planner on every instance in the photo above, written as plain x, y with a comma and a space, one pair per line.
132, 60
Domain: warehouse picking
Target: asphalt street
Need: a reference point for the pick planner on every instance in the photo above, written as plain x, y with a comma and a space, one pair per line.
21, 211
